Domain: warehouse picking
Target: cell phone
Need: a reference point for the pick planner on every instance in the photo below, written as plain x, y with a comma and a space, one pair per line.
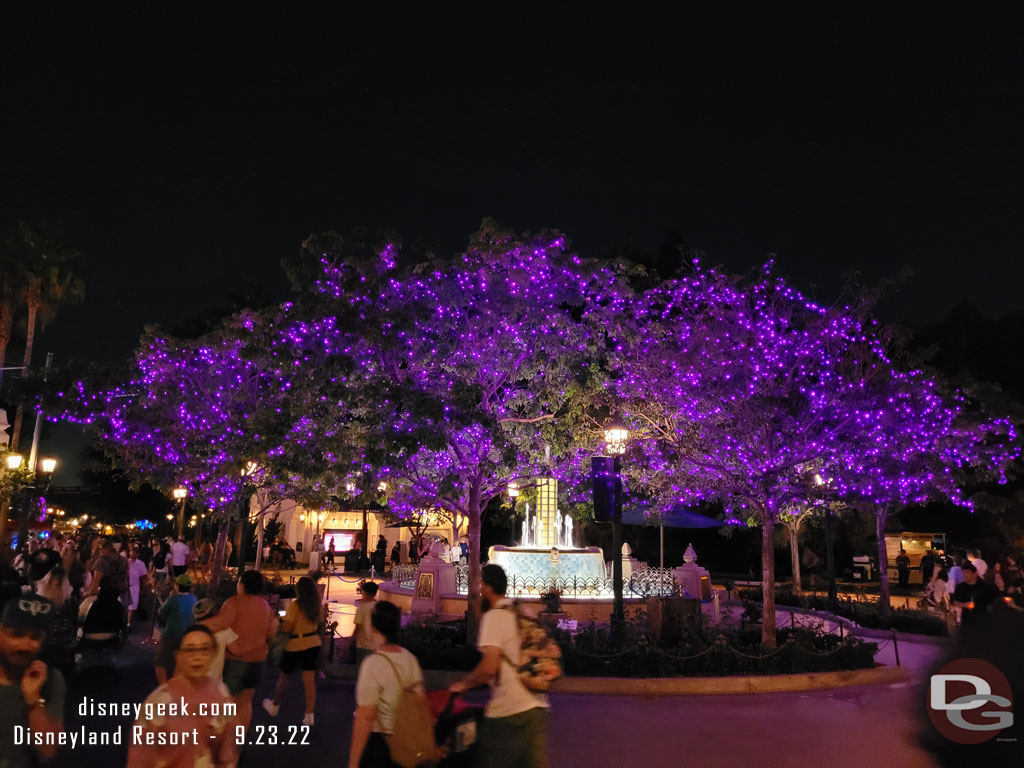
281, 613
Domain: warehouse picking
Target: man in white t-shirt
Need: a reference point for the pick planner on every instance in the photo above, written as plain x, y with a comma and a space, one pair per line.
514, 728
179, 556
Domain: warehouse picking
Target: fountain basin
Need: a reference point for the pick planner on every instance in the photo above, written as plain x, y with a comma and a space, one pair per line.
541, 565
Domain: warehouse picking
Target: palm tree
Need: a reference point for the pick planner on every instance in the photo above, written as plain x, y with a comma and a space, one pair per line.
8, 295
45, 268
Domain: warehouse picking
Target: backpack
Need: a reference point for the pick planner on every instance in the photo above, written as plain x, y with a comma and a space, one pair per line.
412, 744
539, 655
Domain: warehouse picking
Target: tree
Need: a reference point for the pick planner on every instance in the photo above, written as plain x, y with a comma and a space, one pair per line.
921, 443
192, 413
11, 481
734, 386
793, 517
46, 276
451, 371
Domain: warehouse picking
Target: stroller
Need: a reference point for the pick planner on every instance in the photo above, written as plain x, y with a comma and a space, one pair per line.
455, 728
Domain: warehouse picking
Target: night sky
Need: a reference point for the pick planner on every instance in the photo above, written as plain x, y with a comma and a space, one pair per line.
185, 153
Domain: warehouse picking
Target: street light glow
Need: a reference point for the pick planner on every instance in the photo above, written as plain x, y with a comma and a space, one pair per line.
49, 465
615, 436
14, 461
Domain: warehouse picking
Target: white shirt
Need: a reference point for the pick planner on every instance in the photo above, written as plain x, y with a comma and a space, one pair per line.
956, 576
499, 628
378, 685
179, 553
136, 570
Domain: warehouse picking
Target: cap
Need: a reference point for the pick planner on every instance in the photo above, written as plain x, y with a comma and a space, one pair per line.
27, 612
204, 609
183, 580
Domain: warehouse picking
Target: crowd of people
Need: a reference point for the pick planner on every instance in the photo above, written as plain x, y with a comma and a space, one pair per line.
963, 584
77, 588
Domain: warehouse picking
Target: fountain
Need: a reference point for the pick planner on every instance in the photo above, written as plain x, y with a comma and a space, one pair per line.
546, 555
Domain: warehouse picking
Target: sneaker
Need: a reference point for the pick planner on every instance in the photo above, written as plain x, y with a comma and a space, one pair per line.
307, 719
271, 708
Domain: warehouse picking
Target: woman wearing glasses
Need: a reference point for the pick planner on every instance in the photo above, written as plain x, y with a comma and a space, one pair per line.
188, 720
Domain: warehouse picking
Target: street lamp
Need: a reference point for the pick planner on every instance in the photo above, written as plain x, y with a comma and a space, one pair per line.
606, 476
40, 482
181, 495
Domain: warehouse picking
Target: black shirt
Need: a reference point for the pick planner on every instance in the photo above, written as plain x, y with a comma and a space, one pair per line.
982, 593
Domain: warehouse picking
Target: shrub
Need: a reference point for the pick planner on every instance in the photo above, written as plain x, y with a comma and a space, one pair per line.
696, 651
440, 645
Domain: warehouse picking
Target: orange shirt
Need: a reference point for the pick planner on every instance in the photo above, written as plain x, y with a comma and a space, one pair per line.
253, 620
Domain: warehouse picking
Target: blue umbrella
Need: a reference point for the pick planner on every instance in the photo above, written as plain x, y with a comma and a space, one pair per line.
677, 517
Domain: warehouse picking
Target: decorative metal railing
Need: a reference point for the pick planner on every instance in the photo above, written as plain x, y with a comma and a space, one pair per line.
644, 582
404, 576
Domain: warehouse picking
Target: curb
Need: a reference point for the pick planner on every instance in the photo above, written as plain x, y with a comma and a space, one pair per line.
682, 686
867, 632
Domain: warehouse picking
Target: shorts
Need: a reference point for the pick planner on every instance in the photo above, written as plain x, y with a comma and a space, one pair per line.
300, 660
517, 740
242, 675
165, 652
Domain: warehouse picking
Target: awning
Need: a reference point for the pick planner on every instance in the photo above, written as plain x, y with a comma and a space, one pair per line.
677, 517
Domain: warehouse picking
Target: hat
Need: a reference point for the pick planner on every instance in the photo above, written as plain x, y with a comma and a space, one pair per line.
41, 562
27, 612
183, 580
204, 609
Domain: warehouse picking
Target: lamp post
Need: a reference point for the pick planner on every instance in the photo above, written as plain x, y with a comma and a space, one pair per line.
180, 494
40, 482
606, 475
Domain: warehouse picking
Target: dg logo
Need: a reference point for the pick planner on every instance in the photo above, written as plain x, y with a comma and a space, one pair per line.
970, 701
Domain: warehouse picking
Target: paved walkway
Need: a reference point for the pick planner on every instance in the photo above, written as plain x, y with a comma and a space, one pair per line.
851, 727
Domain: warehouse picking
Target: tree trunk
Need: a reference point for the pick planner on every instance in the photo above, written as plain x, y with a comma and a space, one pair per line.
217, 566
6, 318
33, 309
794, 556
768, 578
5, 551
30, 334
881, 518
473, 574
259, 541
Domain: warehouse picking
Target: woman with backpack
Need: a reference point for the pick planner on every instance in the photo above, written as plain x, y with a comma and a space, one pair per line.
392, 726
